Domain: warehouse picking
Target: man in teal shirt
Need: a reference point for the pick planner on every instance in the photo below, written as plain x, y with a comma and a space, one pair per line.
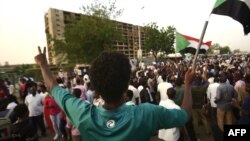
115, 121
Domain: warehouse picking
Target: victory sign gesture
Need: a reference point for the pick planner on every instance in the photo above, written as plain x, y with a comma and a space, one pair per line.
48, 77
41, 57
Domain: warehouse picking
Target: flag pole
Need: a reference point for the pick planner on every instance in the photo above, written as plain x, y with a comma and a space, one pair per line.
199, 45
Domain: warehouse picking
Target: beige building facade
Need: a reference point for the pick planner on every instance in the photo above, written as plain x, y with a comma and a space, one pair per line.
55, 21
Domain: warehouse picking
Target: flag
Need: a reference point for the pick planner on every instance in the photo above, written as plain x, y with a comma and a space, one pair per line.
239, 10
187, 44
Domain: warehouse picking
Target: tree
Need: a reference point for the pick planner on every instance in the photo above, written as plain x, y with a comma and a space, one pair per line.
21, 69
225, 50
152, 39
86, 38
159, 40
222, 50
168, 39
213, 47
236, 51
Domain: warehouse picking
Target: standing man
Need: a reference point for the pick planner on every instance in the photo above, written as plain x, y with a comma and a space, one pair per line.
163, 87
23, 129
211, 94
172, 134
34, 101
224, 96
110, 73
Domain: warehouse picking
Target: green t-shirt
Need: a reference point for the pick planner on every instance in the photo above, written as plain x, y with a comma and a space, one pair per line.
179, 95
126, 123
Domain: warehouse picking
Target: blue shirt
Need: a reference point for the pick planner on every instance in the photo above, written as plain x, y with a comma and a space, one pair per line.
224, 94
126, 123
89, 95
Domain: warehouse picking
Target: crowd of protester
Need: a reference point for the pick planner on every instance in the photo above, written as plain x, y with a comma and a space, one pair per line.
220, 91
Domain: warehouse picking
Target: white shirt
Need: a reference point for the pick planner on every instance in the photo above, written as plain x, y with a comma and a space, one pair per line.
162, 88
159, 79
98, 102
44, 94
211, 80
86, 80
135, 93
11, 106
211, 93
171, 134
35, 104
11, 89
139, 89
130, 103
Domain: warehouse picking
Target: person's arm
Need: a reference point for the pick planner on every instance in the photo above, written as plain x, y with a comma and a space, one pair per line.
205, 76
218, 95
48, 77
187, 99
236, 103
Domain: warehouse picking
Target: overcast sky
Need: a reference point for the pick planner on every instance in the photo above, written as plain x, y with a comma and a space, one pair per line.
22, 23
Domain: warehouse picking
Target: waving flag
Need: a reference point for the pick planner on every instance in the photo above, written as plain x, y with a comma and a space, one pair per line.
239, 10
187, 44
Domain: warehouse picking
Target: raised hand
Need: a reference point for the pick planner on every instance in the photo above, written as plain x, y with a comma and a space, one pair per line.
41, 57
189, 75
48, 77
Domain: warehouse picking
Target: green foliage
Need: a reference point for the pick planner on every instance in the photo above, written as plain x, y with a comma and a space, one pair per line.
168, 39
34, 73
99, 9
236, 51
152, 39
21, 69
223, 50
86, 38
159, 40
213, 47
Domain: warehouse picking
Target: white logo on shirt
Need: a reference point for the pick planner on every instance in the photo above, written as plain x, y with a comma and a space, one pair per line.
111, 124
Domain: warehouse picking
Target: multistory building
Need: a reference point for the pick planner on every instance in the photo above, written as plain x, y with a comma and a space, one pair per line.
56, 20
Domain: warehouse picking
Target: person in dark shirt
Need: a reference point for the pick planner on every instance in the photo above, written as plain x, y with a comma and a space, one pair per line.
23, 129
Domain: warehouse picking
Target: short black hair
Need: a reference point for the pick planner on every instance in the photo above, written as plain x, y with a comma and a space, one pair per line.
171, 93
179, 81
130, 94
43, 87
59, 80
78, 81
223, 78
32, 84
164, 77
216, 79
110, 74
21, 110
77, 92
